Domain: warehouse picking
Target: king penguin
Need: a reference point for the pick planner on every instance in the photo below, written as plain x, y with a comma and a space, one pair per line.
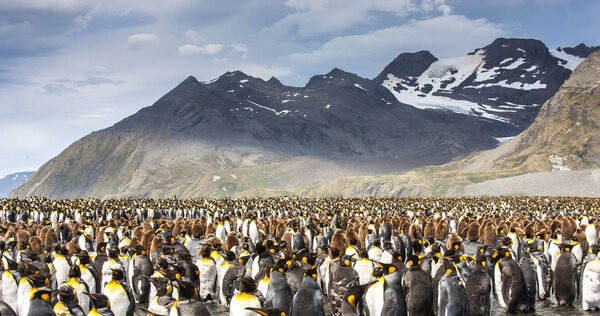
352, 304
590, 282
40, 304
452, 296
80, 287
119, 294
509, 282
308, 300
565, 277
208, 274
479, 289
417, 286
10, 280
279, 294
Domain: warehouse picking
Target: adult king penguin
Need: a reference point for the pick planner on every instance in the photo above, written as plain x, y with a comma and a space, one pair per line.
119, 294
417, 285
308, 300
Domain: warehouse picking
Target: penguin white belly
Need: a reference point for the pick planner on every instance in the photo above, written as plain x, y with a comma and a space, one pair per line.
591, 235
253, 232
22, 296
375, 253
590, 287
386, 257
62, 270
577, 252
364, 267
221, 276
239, 302
9, 290
208, 275
119, 301
263, 286
553, 252
255, 267
375, 296
498, 285
130, 273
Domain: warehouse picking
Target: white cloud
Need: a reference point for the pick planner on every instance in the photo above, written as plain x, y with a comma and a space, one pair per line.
207, 49
448, 35
437, 5
138, 41
239, 48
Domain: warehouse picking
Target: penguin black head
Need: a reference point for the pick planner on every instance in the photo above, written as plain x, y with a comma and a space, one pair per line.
98, 300
102, 247
84, 257
118, 274
229, 255
205, 251
243, 260
113, 252
414, 261
37, 280
23, 245
388, 268
377, 271
594, 249
450, 268
75, 271
312, 272
480, 261
335, 253
566, 247
417, 246
354, 293
66, 293
187, 290
247, 285
268, 311
140, 250
43, 295
397, 257
346, 261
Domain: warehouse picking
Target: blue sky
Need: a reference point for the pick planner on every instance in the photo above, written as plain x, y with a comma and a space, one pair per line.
70, 67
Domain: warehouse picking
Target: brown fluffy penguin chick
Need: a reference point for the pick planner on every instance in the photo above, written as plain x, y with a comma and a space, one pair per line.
155, 244
147, 239
51, 238
287, 237
138, 232
441, 231
567, 229
462, 225
196, 229
36, 244
352, 237
455, 240
210, 229
429, 230
414, 232
176, 230
23, 235
488, 234
528, 231
73, 248
473, 232
231, 241
362, 234
338, 241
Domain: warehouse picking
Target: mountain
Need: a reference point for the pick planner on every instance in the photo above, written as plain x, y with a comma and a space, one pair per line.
559, 154
12, 181
239, 135
503, 83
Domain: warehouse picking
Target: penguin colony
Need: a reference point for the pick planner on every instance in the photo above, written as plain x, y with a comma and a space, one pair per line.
293, 256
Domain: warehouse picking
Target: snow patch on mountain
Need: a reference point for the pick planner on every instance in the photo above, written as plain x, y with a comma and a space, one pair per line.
566, 60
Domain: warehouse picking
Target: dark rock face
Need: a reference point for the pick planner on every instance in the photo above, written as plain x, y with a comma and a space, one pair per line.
503, 84
581, 50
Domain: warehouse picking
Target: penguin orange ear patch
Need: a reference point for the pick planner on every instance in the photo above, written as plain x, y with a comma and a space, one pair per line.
352, 300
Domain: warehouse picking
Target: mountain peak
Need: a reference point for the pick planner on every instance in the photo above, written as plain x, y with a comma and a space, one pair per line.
408, 64
581, 50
